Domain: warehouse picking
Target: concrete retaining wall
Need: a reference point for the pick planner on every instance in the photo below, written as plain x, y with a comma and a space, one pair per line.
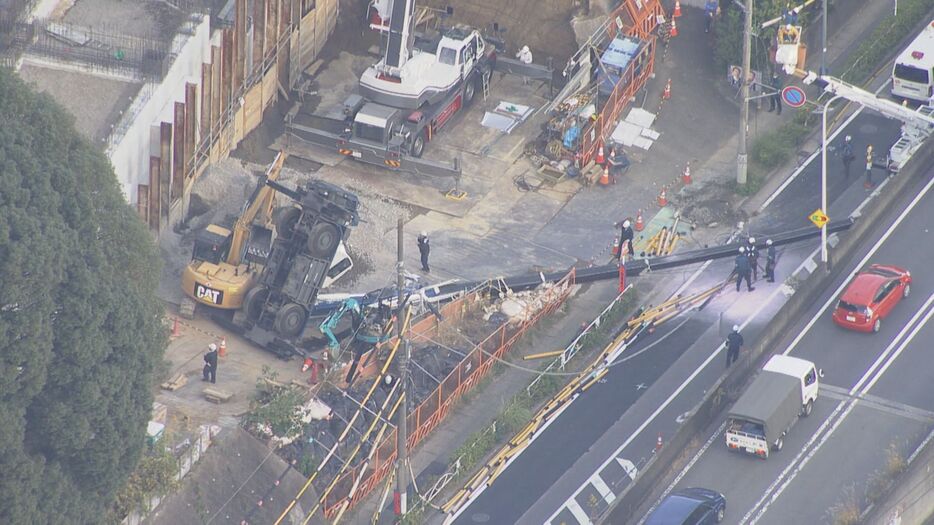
807, 292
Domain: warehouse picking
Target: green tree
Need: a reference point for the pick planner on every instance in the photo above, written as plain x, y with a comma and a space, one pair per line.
80, 327
729, 32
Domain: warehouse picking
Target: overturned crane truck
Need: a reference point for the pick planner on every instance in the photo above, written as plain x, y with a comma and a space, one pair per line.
309, 233
785, 389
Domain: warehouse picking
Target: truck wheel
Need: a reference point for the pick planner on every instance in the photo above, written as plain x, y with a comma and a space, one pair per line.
254, 301
285, 219
418, 146
290, 319
876, 326
470, 90
779, 443
323, 240
808, 407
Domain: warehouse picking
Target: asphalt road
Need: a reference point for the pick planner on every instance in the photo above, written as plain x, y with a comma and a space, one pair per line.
576, 466
834, 452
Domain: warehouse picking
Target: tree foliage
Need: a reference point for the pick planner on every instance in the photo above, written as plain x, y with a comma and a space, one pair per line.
80, 327
728, 49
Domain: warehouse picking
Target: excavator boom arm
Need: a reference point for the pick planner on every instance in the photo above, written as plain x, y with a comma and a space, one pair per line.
259, 205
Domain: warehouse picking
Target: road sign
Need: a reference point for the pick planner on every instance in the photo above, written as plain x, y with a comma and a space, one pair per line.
819, 218
794, 96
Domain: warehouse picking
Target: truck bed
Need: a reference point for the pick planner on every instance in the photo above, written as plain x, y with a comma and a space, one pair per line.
772, 401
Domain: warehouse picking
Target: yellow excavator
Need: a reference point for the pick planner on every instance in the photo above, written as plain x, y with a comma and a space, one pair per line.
224, 263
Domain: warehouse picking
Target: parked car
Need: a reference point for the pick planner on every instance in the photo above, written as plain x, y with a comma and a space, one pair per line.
871, 296
690, 506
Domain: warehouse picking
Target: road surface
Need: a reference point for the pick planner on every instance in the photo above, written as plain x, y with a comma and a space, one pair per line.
876, 392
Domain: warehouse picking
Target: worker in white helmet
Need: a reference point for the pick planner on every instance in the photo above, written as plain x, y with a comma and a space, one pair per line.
734, 342
626, 237
742, 269
753, 253
770, 260
847, 155
210, 364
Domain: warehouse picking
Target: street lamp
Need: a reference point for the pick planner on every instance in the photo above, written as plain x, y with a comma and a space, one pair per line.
823, 179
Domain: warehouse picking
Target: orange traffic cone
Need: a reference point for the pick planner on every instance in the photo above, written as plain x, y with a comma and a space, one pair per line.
601, 158
667, 93
222, 351
659, 443
686, 176
674, 28
640, 223
605, 177
677, 12
663, 197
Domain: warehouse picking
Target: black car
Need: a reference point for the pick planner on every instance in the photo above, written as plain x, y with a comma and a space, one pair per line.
691, 506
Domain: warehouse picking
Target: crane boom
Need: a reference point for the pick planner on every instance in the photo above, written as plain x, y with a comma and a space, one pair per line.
260, 204
887, 107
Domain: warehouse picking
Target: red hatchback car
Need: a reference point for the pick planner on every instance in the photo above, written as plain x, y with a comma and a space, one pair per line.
871, 296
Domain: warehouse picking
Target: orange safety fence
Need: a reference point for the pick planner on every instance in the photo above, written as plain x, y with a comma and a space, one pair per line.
635, 19
464, 377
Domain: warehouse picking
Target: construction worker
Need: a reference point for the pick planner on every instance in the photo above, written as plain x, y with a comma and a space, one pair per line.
626, 237
525, 56
711, 10
848, 155
210, 364
790, 16
734, 342
424, 249
753, 253
869, 183
770, 260
742, 269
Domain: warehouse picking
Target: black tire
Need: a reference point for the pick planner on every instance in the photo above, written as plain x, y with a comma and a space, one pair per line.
418, 145
779, 443
721, 512
290, 320
876, 326
470, 90
323, 240
285, 219
808, 408
254, 301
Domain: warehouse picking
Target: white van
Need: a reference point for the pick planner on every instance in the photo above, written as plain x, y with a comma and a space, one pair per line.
913, 74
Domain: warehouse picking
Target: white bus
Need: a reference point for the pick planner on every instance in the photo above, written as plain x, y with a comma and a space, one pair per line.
913, 74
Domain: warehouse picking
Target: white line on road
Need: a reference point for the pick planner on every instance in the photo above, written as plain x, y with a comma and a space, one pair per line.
859, 265
769, 497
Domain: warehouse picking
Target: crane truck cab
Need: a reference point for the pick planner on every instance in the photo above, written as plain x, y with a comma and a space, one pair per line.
785, 389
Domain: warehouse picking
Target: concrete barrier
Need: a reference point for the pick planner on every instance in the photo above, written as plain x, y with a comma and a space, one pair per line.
724, 391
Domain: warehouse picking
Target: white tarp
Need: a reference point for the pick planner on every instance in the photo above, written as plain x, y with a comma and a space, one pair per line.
506, 116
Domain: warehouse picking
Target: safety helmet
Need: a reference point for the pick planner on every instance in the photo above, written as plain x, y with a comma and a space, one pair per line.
752, 240
768, 242
848, 138
742, 249
525, 49
788, 27
736, 328
212, 347
423, 234
626, 223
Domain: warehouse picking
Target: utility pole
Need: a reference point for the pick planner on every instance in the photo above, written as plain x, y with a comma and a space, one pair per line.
823, 41
742, 159
402, 479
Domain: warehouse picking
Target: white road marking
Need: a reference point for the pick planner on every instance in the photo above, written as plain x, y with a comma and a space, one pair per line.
769, 497
603, 489
579, 514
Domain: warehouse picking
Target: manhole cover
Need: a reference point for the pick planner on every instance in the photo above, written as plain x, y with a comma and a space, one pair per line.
480, 517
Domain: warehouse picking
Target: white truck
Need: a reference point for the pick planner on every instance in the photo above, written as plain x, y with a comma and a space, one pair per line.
785, 389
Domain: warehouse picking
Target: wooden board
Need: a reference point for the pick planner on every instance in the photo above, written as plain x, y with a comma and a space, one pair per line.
177, 382
215, 395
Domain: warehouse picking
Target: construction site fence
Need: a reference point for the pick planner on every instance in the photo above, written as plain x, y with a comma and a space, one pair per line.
469, 372
637, 19
560, 362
